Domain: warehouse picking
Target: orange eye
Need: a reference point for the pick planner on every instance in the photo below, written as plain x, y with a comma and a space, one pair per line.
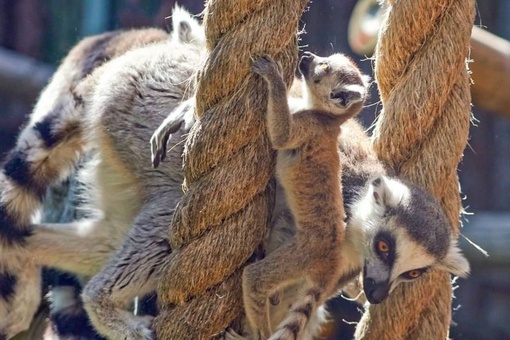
383, 247
413, 274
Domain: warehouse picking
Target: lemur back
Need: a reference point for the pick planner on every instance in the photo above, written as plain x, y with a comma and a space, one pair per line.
306, 141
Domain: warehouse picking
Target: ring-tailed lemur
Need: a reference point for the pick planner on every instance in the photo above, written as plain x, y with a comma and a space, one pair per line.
105, 100
306, 139
395, 230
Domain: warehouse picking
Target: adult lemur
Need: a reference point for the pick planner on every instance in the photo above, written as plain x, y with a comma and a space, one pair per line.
105, 100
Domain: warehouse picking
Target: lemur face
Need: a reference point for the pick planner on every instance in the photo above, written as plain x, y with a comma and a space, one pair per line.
406, 234
333, 83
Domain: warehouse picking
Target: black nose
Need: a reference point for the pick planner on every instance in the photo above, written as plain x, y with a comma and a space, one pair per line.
305, 62
375, 292
346, 98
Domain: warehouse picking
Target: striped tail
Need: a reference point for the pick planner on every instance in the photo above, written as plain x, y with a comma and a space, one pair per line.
293, 327
50, 145
46, 152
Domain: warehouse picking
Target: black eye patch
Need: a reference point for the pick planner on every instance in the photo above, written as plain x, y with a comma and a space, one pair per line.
387, 256
413, 274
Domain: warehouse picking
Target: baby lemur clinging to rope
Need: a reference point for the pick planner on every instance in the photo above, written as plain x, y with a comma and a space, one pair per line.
308, 168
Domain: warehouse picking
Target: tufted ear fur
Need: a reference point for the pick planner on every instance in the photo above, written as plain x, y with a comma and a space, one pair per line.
389, 192
186, 28
454, 262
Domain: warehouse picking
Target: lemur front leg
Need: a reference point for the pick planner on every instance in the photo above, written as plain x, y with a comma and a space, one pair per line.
282, 132
262, 280
184, 114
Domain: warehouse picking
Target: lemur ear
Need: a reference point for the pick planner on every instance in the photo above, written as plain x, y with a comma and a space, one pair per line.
184, 31
454, 262
388, 192
186, 28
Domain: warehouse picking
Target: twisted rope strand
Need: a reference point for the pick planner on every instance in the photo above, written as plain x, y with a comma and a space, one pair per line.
222, 217
422, 132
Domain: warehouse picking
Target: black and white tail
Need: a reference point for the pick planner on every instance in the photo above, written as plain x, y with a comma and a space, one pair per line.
46, 152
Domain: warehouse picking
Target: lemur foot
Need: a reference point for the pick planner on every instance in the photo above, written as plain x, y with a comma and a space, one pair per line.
181, 117
265, 66
230, 334
139, 328
160, 139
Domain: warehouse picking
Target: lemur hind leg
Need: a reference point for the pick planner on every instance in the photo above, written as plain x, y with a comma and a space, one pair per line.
320, 287
132, 271
80, 247
262, 279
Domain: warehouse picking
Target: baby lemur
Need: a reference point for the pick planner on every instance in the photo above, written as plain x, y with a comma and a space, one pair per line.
308, 168
395, 231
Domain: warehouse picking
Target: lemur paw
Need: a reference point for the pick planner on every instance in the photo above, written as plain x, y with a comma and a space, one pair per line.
160, 138
182, 117
265, 66
139, 328
230, 334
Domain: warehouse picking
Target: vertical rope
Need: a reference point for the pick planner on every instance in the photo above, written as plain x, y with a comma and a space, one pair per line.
421, 133
228, 160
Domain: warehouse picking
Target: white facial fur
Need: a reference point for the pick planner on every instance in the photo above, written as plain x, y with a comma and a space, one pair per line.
370, 215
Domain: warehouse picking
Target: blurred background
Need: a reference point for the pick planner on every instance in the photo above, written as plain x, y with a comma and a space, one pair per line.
36, 34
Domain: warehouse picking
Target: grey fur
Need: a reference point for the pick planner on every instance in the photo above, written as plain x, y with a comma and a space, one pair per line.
114, 111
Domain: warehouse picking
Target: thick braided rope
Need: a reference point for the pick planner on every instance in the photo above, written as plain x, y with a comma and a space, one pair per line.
223, 215
422, 133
